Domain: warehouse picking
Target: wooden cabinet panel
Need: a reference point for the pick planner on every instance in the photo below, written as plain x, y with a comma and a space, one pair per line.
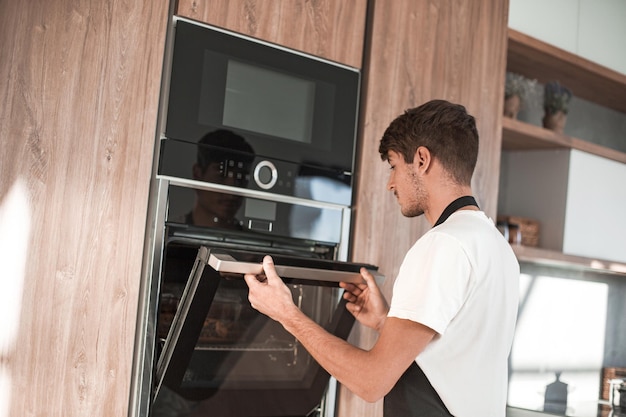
421, 50
80, 95
331, 29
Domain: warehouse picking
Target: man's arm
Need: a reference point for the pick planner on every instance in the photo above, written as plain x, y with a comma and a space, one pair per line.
370, 374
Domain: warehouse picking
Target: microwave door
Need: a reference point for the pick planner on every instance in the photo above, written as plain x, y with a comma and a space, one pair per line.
222, 357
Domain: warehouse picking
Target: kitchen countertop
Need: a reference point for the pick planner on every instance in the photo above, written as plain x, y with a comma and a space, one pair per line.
603, 411
522, 412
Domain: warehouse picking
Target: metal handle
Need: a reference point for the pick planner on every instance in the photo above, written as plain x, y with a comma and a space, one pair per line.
226, 263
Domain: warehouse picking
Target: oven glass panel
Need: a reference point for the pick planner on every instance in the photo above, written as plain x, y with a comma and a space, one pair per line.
240, 348
211, 209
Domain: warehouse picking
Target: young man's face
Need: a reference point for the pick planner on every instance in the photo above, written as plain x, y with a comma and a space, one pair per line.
406, 185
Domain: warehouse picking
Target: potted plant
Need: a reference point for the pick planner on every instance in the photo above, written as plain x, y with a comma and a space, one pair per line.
556, 101
517, 91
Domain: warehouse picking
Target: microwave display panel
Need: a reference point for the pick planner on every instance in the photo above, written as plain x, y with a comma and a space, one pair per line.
269, 102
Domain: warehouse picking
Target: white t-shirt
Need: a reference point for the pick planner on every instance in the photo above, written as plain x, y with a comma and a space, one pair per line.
461, 280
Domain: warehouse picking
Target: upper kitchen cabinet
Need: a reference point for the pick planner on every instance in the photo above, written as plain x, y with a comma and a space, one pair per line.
572, 180
334, 30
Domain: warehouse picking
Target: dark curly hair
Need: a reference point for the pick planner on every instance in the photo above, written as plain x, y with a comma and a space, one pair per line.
444, 128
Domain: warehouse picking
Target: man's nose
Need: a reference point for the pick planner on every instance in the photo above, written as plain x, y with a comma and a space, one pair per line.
390, 185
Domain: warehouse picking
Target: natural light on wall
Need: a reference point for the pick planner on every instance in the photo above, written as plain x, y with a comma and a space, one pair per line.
14, 236
559, 345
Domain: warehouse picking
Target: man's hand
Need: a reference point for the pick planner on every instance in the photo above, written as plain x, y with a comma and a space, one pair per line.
365, 301
269, 294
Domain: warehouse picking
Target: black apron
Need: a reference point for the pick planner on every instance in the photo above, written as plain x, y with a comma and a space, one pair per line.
413, 395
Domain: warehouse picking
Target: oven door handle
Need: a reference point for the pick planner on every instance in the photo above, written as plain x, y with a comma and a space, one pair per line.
227, 264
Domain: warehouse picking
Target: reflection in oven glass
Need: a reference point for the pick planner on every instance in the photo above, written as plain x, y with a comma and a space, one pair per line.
239, 347
222, 353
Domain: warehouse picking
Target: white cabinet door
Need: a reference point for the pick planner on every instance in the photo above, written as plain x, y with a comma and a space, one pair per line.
595, 217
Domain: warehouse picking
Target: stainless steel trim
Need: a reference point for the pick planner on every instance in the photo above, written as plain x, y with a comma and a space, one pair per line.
244, 192
344, 241
145, 333
228, 264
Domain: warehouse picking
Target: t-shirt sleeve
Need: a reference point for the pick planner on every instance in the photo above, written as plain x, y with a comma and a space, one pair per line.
433, 282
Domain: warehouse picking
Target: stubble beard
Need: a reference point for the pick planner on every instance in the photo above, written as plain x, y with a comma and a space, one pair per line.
415, 206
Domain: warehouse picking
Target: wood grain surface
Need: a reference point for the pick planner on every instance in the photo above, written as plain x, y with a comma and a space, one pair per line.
80, 87
421, 50
329, 29
518, 135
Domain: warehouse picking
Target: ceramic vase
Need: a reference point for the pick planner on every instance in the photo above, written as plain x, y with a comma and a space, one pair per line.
555, 121
512, 106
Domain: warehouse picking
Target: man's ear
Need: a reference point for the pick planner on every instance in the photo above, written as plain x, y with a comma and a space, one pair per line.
422, 159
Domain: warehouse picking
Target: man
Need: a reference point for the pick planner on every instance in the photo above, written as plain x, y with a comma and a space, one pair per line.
445, 338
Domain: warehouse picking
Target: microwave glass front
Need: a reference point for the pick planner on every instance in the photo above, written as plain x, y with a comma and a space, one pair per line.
286, 104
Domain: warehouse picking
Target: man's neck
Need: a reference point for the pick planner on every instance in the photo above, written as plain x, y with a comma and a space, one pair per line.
440, 201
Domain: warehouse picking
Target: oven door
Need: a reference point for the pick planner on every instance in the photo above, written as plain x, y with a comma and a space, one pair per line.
223, 358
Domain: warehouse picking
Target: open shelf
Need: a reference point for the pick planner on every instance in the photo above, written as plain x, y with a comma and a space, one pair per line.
558, 259
538, 60
535, 59
517, 135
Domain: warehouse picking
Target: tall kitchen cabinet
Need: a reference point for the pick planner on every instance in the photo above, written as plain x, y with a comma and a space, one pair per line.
418, 50
566, 183
80, 89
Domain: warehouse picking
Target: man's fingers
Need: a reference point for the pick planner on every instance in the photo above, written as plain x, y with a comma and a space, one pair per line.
251, 280
369, 279
269, 268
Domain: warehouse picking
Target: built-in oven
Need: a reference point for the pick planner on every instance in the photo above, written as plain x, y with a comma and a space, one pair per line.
219, 356
255, 156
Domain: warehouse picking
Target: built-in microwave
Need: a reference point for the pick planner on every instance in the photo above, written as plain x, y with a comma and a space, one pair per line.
297, 112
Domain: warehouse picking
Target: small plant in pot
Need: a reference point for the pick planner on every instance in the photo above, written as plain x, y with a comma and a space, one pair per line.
556, 101
517, 90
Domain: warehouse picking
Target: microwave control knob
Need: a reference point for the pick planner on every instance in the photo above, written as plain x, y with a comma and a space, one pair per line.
265, 175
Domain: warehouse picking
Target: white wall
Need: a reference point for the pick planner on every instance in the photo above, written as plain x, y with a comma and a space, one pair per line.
593, 29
